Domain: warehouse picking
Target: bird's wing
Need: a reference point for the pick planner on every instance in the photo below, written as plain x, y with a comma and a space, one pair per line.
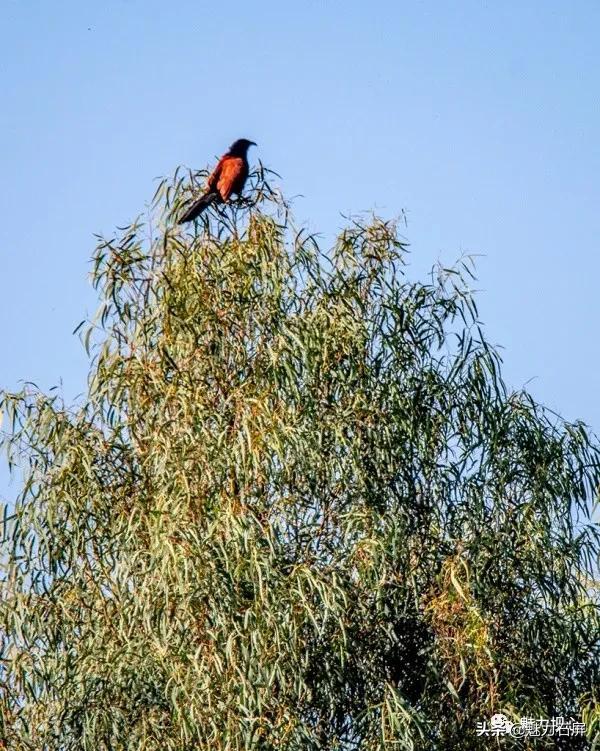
232, 176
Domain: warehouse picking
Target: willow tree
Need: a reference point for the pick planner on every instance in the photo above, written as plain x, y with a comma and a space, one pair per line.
297, 508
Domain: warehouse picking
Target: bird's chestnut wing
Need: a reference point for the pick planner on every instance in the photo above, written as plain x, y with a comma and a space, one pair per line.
232, 176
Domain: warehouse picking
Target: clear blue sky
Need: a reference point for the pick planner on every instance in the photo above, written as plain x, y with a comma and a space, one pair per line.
481, 119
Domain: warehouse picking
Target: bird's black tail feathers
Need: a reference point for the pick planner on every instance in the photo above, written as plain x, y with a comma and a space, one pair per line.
198, 206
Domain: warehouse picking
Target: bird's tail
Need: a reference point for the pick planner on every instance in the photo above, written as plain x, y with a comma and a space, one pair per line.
198, 206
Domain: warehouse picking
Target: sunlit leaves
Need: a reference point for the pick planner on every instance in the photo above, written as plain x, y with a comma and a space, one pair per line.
297, 509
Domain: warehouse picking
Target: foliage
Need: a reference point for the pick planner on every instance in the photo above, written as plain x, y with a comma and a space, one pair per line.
297, 509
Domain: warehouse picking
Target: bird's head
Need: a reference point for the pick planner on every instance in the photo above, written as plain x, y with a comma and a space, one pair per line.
240, 147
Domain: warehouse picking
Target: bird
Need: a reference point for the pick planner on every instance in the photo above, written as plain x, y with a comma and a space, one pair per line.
229, 176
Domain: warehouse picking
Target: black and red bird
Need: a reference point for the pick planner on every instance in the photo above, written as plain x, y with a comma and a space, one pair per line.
229, 176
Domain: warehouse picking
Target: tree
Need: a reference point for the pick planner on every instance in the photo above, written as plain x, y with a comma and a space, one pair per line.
297, 508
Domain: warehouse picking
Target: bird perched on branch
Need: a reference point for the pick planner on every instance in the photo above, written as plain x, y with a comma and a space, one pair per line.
228, 177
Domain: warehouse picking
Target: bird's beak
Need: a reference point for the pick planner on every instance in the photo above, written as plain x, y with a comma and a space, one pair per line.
253, 143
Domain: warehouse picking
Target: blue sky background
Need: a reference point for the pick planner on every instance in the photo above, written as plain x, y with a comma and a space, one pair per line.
480, 119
